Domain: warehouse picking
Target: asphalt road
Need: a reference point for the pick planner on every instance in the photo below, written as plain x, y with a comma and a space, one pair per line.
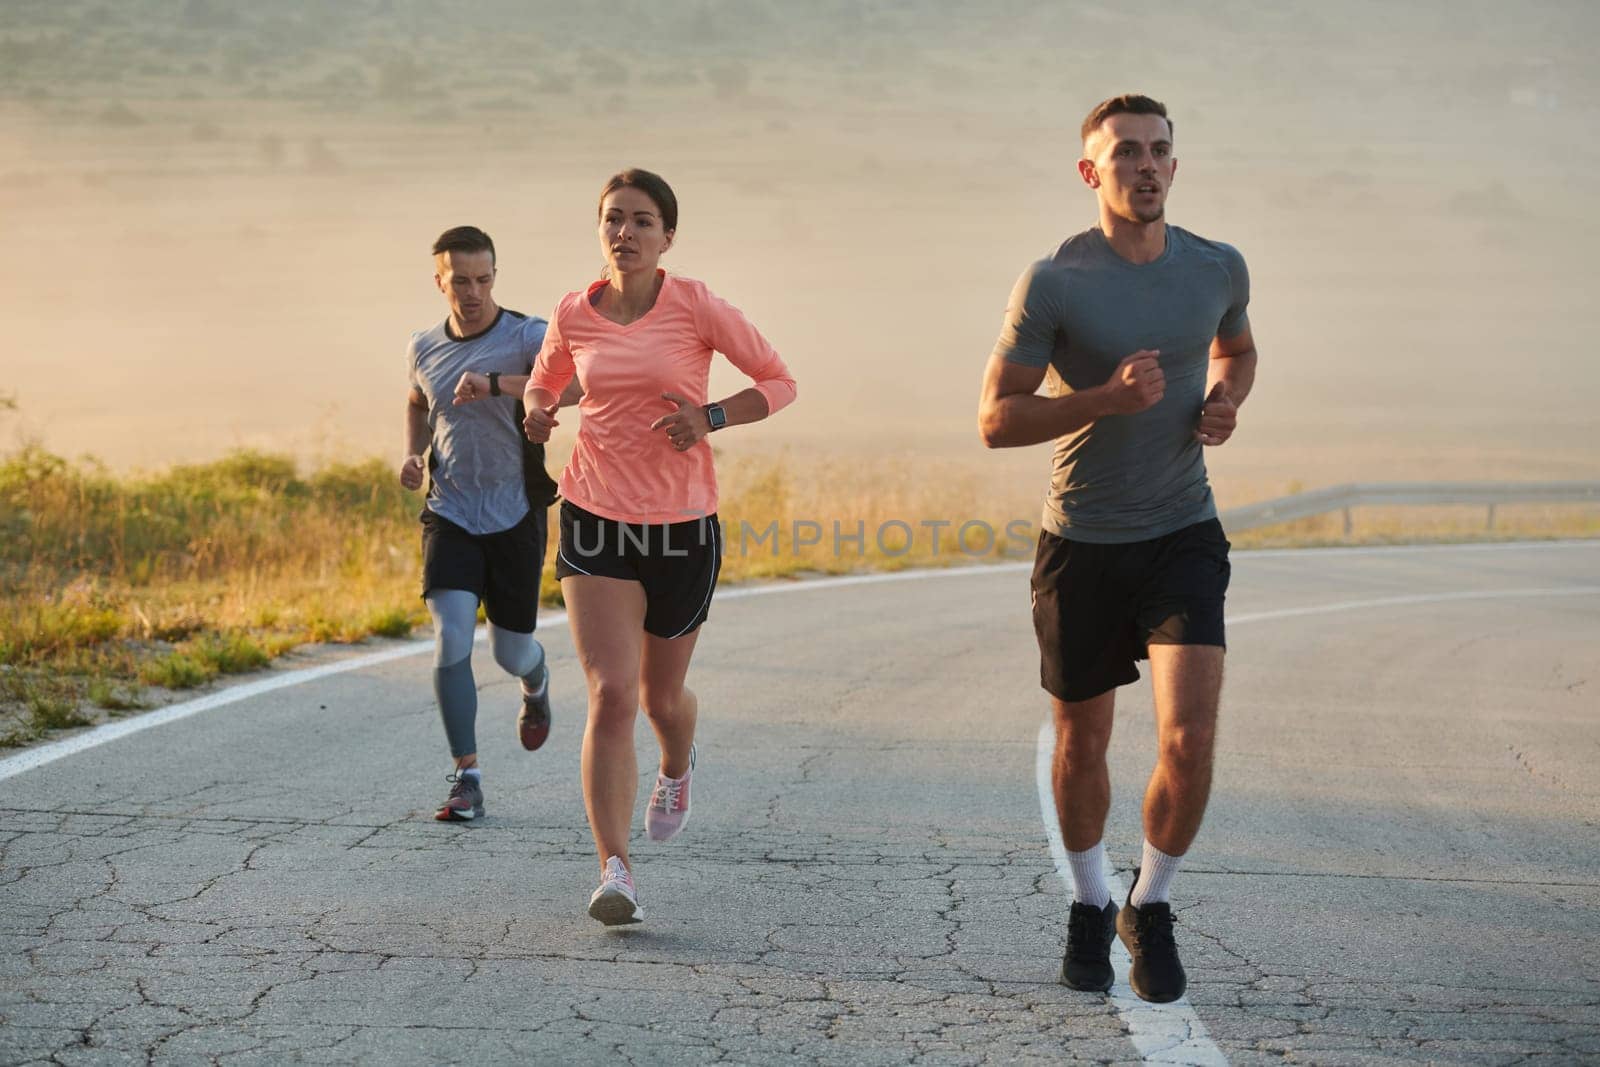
1399, 863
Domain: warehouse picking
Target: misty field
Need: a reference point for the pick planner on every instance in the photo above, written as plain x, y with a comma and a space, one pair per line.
122, 589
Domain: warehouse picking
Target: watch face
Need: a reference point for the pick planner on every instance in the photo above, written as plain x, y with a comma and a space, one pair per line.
717, 417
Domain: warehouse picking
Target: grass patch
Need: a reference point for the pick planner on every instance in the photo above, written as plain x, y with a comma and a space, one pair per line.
229, 653
41, 703
103, 693
176, 670
37, 630
392, 622
56, 712
18, 734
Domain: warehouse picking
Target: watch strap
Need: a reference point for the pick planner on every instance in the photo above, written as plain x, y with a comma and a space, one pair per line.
494, 383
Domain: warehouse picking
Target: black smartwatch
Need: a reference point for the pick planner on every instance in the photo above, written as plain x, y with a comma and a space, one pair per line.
716, 416
494, 383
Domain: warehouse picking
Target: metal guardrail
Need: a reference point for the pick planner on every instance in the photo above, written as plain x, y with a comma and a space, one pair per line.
1406, 494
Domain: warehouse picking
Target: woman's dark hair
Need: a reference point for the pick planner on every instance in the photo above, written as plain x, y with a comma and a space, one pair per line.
652, 185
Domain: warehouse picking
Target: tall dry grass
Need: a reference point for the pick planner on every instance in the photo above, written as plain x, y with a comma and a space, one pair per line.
119, 588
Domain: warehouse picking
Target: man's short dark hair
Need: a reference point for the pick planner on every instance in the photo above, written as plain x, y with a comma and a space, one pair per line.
1126, 104
464, 239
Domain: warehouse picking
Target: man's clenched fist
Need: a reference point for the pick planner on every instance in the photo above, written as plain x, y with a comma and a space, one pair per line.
1137, 384
1218, 416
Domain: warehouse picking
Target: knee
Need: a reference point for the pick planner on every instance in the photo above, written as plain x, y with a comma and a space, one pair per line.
612, 704
658, 704
1082, 739
1081, 749
518, 657
1188, 748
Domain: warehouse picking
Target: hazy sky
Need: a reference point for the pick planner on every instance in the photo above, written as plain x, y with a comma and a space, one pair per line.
218, 214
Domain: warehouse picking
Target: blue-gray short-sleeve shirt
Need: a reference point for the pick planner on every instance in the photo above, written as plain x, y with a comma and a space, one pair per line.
1084, 310
477, 471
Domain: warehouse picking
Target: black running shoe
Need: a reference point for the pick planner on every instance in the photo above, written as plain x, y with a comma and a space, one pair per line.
1157, 974
1087, 964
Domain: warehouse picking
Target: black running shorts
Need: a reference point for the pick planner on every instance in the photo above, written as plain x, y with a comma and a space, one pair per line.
502, 569
676, 562
1097, 608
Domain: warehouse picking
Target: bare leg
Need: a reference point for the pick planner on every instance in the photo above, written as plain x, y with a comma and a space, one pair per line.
1081, 779
668, 703
1188, 686
607, 618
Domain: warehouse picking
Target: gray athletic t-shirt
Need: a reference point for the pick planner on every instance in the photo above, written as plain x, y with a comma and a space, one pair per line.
476, 471
1084, 310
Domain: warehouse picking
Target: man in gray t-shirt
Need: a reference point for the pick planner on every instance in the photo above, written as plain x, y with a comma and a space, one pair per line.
1145, 328
483, 527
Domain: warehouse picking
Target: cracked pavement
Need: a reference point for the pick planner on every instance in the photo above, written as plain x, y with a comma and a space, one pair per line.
1398, 863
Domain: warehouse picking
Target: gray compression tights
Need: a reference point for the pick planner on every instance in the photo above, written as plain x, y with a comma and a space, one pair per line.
455, 616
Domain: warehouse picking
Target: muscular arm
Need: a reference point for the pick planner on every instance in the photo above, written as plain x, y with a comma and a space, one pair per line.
1010, 413
1228, 380
1233, 363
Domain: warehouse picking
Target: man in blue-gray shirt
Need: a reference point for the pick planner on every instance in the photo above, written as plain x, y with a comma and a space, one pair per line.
483, 526
1144, 326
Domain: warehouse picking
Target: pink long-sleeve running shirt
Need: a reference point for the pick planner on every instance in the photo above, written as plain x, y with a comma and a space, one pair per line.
620, 468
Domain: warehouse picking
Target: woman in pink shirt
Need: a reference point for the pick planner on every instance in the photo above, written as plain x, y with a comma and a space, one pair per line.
640, 542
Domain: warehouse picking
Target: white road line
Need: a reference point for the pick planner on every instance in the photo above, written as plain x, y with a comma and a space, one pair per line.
1405, 550
1162, 1033
1419, 598
38, 757
1173, 1033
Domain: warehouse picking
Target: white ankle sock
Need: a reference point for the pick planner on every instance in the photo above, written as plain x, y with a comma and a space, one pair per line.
1155, 877
1089, 885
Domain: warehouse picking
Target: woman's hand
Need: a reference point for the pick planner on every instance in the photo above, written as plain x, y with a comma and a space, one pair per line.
539, 422
685, 426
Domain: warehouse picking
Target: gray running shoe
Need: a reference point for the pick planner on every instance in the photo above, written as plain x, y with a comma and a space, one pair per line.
465, 801
533, 722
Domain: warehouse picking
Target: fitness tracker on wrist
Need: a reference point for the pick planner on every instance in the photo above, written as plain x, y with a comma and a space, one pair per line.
716, 416
494, 383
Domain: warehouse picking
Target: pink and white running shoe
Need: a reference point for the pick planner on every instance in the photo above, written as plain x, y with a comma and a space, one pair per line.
668, 812
616, 903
